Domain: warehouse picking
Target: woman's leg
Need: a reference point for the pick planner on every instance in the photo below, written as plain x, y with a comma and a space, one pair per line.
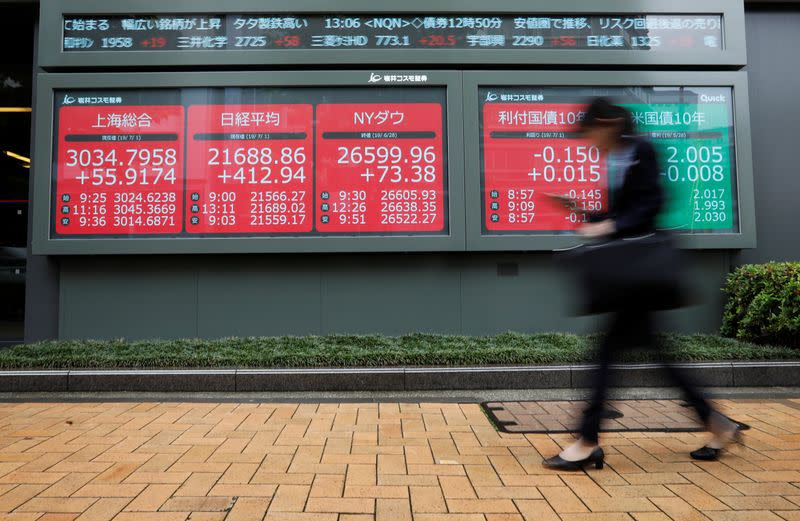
592, 415
624, 329
693, 395
723, 430
628, 328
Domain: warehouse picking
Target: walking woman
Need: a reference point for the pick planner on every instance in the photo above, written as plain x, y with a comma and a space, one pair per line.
635, 201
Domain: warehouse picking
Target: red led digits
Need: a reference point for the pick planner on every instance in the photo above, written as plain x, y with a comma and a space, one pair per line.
439, 40
249, 169
119, 170
530, 151
380, 168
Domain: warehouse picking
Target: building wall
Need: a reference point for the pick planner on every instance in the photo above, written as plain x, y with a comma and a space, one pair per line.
774, 73
463, 293
218, 296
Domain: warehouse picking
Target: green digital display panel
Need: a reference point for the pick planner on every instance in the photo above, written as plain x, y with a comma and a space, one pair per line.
531, 149
694, 140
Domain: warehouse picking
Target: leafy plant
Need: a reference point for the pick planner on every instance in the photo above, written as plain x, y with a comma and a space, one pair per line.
764, 304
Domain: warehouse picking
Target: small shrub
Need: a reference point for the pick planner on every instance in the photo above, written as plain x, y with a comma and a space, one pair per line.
764, 304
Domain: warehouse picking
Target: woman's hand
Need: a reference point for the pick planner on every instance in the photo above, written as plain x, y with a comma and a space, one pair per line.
598, 229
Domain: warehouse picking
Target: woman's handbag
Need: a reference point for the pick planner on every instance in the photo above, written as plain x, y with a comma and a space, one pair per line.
645, 273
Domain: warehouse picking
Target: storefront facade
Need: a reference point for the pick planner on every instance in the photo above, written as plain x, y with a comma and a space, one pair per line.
274, 169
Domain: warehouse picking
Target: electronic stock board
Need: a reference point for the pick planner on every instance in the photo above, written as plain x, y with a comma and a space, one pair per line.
310, 162
527, 149
407, 158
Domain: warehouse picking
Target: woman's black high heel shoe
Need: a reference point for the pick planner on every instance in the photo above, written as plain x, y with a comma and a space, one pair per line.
707, 453
558, 463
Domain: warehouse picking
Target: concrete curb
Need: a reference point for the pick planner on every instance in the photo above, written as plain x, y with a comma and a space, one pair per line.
718, 374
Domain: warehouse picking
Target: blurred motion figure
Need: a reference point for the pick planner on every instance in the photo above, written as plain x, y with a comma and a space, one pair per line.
627, 230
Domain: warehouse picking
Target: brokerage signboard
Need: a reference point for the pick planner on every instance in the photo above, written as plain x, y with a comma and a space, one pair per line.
300, 161
531, 150
264, 31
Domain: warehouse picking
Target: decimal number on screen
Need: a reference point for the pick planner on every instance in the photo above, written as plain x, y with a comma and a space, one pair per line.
139, 220
259, 165
277, 219
251, 156
277, 196
127, 177
262, 175
368, 155
132, 166
695, 163
408, 195
139, 197
408, 218
408, 206
569, 164
128, 157
709, 200
389, 163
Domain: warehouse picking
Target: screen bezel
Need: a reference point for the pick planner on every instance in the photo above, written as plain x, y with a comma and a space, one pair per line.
47, 84
734, 52
473, 80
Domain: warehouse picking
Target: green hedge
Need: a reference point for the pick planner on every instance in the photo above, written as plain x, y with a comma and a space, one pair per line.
365, 351
764, 304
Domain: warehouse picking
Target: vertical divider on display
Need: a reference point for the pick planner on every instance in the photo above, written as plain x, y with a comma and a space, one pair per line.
185, 171
472, 167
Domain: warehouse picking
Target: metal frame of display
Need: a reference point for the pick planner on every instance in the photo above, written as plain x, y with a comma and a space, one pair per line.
745, 238
51, 54
43, 243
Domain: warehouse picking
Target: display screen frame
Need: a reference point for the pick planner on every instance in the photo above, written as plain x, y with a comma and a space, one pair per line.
477, 240
51, 54
44, 173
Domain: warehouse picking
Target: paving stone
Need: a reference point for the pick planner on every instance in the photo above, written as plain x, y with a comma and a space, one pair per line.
367, 462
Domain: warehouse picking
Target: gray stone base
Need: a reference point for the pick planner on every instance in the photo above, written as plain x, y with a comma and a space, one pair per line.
722, 374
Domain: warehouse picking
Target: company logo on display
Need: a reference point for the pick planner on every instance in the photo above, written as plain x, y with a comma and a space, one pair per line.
397, 78
68, 100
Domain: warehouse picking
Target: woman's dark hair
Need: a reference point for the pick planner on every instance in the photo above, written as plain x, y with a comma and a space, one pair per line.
601, 112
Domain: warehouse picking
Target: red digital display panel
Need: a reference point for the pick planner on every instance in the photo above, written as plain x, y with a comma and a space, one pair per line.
531, 151
250, 169
259, 162
119, 170
380, 168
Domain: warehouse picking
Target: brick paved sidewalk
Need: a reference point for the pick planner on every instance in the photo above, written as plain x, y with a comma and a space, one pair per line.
359, 462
